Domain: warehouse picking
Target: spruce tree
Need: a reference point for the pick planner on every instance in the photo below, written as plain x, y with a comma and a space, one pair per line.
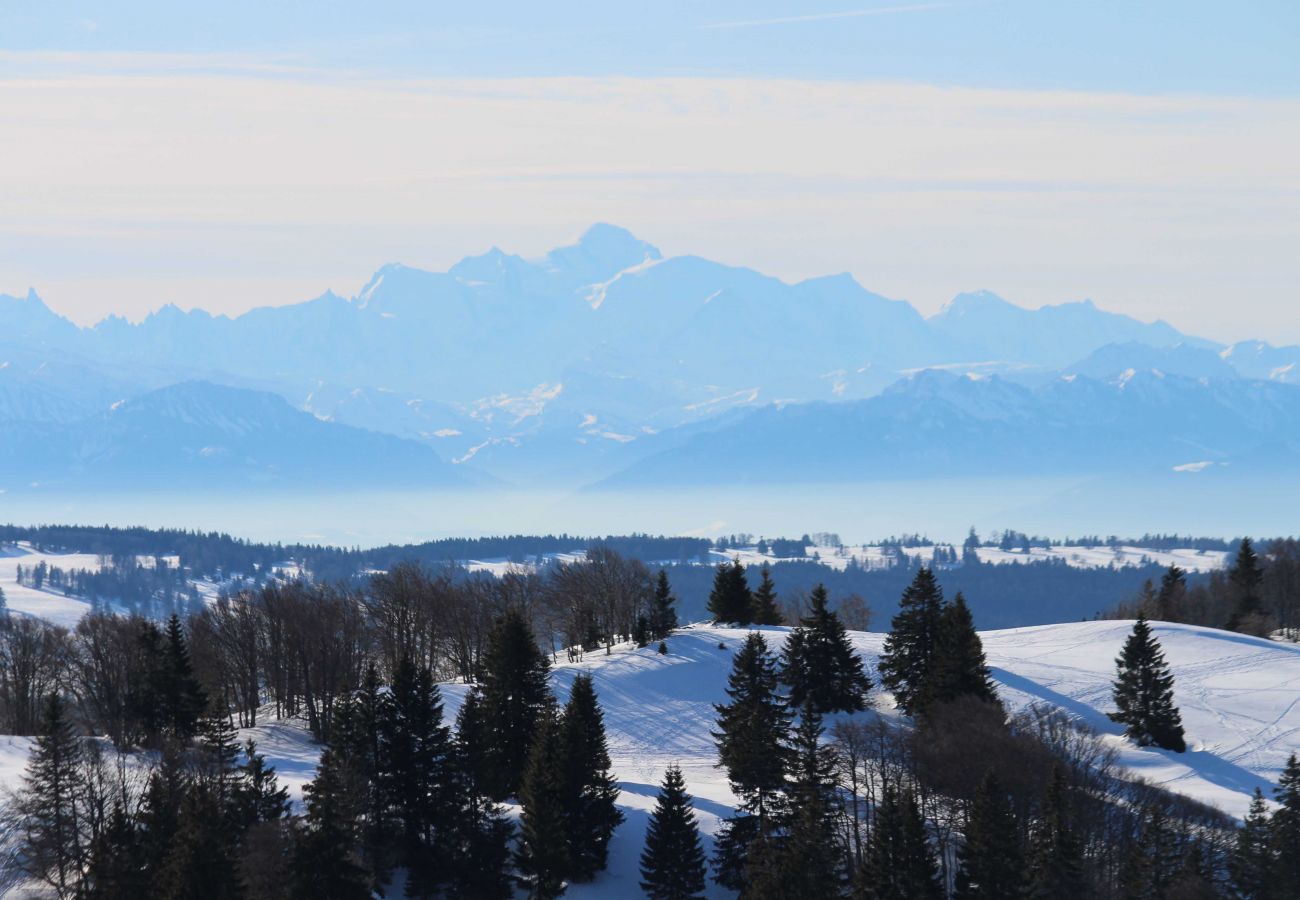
990, 864
516, 695
116, 870
258, 796
480, 851
326, 861
161, 809
1173, 591
590, 791
730, 600
752, 746
909, 648
672, 863
663, 609
810, 861
959, 668
357, 744
898, 864
218, 755
1251, 863
1246, 577
1055, 858
1144, 693
50, 804
1285, 830
764, 610
183, 699
819, 665
200, 864
542, 856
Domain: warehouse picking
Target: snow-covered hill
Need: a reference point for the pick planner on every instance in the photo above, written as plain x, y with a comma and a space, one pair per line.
1239, 696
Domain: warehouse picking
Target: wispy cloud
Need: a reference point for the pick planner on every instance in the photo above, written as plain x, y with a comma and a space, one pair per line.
829, 16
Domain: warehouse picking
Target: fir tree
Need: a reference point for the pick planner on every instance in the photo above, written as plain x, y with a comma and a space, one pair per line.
1285, 830
730, 600
818, 663
764, 610
810, 861
1144, 693
219, 754
752, 732
258, 796
326, 862
663, 609
200, 864
161, 809
49, 804
1173, 591
359, 754
1246, 577
898, 864
182, 699
990, 864
116, 870
543, 853
1251, 863
480, 849
959, 668
909, 648
672, 863
590, 791
516, 694
1055, 859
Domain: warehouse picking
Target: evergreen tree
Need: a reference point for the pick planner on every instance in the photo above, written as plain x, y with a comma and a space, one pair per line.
898, 864
49, 804
959, 668
415, 770
1285, 830
1251, 864
160, 811
516, 695
543, 853
810, 862
359, 753
730, 600
1173, 591
200, 864
991, 866
258, 796
672, 863
909, 648
326, 861
219, 755
182, 698
1144, 693
1055, 858
764, 610
480, 851
1153, 861
663, 609
818, 663
116, 870
1246, 577
590, 791
752, 732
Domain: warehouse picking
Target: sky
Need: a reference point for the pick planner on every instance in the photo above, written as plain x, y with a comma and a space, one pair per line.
1145, 155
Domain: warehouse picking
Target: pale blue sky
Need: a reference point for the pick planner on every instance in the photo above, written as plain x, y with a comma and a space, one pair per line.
245, 153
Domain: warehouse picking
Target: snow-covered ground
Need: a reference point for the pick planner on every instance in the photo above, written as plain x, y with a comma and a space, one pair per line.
46, 604
1239, 696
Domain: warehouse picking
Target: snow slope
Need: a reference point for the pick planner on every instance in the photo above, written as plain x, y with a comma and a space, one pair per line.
1239, 696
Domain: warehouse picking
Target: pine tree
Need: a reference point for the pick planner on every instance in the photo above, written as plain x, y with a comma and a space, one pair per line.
752, 733
516, 695
810, 862
590, 791
909, 648
1144, 693
663, 609
959, 668
1285, 830
480, 849
991, 865
819, 665
764, 610
182, 699
326, 860
898, 864
1246, 576
1055, 859
160, 811
672, 863
219, 755
1251, 863
49, 804
1173, 591
258, 796
116, 870
730, 601
414, 771
543, 853
200, 864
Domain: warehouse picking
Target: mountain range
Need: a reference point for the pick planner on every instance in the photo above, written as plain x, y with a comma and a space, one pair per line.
606, 362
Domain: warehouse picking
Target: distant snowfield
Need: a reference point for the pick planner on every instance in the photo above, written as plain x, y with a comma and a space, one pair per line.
1239, 696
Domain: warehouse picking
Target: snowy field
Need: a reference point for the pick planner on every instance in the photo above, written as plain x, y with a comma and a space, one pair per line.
45, 604
1239, 696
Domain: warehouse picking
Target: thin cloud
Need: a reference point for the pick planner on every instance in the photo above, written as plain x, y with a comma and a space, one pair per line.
826, 17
